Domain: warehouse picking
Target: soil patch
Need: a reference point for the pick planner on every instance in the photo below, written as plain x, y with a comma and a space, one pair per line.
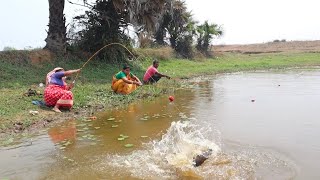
271, 47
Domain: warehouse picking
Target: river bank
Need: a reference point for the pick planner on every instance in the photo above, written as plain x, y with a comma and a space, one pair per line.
93, 93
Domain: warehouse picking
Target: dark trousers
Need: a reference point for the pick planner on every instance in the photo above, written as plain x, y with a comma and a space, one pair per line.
153, 79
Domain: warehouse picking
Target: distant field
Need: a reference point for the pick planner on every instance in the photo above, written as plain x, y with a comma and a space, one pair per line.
271, 47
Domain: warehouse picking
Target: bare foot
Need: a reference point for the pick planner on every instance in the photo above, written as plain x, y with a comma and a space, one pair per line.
56, 110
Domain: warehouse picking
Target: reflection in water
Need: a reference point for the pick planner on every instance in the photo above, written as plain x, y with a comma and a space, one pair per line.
97, 138
63, 133
248, 141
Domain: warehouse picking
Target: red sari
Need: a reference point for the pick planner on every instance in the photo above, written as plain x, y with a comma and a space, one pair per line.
58, 95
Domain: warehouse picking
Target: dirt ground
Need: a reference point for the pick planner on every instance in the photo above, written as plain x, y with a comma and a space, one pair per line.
271, 47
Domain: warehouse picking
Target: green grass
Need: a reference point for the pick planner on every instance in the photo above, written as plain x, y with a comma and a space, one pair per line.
238, 62
93, 86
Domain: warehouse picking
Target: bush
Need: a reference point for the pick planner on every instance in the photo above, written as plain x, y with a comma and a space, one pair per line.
184, 47
7, 48
163, 53
101, 26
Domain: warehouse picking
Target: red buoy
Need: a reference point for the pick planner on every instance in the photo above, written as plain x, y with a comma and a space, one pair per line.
171, 98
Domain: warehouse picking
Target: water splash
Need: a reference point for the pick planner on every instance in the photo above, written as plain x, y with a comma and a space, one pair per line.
172, 157
167, 158
182, 142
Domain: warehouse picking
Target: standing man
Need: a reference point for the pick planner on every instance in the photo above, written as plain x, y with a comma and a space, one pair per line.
152, 74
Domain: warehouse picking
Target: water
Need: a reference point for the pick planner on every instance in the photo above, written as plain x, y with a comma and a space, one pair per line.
260, 125
283, 117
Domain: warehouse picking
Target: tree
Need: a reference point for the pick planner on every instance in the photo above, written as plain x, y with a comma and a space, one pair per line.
144, 13
8, 48
179, 25
206, 33
174, 22
56, 38
102, 25
107, 20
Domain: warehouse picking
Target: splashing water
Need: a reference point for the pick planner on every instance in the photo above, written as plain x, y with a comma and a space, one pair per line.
172, 157
175, 151
182, 142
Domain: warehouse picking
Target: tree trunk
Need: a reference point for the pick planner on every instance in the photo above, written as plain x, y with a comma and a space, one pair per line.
159, 36
56, 39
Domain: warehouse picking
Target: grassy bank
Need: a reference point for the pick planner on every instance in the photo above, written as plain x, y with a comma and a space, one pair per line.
93, 92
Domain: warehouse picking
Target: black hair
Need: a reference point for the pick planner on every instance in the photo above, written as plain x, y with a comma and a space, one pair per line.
125, 66
155, 61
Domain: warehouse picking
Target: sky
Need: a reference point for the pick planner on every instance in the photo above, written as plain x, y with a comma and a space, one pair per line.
24, 23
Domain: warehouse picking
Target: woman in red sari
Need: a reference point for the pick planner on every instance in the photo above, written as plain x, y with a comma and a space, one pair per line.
57, 93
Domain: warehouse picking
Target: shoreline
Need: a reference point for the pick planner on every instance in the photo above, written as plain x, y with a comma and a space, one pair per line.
93, 95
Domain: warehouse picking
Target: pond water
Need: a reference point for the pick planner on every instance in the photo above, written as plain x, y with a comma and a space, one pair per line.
259, 125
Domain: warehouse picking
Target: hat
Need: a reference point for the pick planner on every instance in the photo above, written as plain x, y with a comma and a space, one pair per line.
57, 69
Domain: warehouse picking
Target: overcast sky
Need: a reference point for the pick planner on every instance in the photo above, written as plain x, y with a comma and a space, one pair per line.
24, 23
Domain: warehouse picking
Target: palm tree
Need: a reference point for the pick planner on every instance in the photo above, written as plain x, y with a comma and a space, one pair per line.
56, 40
143, 13
175, 21
206, 33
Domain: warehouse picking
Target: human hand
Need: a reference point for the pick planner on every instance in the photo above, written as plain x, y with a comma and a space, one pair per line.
75, 71
71, 85
138, 83
168, 77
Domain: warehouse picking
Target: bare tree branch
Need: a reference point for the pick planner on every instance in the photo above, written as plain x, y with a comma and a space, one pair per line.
85, 4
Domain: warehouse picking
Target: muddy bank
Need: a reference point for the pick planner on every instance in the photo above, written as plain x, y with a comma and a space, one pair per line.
45, 117
48, 117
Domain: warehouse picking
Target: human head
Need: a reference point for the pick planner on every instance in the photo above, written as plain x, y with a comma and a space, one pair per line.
155, 63
126, 69
57, 69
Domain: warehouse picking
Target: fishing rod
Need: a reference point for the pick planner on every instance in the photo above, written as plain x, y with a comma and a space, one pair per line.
110, 44
170, 97
97, 53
